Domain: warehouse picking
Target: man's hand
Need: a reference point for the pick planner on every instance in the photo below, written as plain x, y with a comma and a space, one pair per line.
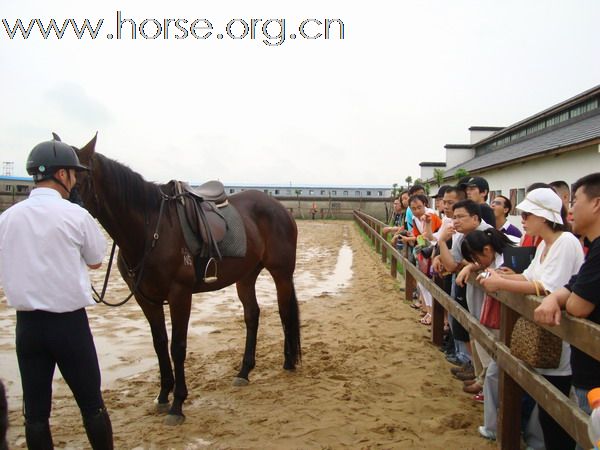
436, 265
548, 313
446, 233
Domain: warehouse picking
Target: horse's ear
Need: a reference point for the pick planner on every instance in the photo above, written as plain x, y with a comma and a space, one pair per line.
87, 151
56, 137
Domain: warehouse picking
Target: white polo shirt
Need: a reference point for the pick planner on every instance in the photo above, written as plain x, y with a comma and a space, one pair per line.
46, 243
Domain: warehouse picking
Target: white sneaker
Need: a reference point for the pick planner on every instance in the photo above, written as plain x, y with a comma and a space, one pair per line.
483, 431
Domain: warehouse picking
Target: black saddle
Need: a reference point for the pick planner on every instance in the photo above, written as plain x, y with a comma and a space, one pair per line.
202, 224
211, 191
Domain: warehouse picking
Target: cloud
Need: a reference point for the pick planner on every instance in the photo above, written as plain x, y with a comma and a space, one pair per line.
75, 104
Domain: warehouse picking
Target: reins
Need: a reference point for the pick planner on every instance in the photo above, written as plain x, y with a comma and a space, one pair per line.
132, 272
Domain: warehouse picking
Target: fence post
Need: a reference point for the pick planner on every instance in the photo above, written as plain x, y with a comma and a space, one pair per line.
377, 241
410, 284
394, 267
383, 254
437, 322
510, 394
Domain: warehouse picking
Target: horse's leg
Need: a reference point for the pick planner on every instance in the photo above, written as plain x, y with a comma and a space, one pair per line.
246, 289
180, 301
156, 318
290, 317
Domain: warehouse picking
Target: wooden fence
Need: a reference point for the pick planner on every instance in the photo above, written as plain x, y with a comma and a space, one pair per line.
516, 377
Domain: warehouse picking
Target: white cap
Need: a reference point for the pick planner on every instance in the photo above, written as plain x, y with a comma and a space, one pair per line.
544, 203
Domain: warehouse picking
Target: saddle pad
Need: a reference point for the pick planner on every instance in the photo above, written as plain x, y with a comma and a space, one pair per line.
233, 244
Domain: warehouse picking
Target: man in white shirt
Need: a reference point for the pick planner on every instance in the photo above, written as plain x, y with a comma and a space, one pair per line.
467, 218
47, 244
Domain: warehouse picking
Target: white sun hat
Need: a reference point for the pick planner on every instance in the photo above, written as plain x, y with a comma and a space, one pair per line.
544, 203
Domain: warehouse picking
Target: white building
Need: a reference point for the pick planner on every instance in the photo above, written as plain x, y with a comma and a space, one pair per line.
559, 143
317, 191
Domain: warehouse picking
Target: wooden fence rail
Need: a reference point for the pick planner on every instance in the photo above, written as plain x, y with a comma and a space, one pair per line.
516, 377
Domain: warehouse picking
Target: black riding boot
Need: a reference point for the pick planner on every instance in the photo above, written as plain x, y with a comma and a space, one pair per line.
38, 436
99, 430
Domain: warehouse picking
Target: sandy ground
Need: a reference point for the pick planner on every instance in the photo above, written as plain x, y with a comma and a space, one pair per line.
370, 377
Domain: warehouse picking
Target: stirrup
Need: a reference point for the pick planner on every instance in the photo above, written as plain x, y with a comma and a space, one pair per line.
213, 278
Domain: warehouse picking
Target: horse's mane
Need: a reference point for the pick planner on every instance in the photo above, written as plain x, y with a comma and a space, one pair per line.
129, 185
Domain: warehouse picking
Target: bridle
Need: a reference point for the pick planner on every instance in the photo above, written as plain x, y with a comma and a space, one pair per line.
135, 273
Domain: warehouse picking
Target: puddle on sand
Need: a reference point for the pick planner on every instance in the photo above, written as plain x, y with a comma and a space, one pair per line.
309, 285
119, 333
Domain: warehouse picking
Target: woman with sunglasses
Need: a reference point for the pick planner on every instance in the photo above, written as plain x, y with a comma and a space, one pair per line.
557, 258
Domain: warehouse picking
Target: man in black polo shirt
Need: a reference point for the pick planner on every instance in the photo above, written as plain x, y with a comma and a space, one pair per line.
582, 294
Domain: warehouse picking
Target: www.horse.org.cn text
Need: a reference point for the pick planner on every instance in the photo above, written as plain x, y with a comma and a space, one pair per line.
271, 32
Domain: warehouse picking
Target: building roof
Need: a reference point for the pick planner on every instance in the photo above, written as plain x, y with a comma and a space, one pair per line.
300, 186
432, 164
590, 93
486, 128
457, 146
570, 134
11, 178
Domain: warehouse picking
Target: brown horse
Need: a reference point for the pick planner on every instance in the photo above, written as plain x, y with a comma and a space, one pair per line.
141, 218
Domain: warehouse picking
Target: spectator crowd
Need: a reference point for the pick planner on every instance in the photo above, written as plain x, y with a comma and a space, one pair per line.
466, 243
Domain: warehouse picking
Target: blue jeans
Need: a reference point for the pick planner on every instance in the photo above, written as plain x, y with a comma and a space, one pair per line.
582, 401
461, 351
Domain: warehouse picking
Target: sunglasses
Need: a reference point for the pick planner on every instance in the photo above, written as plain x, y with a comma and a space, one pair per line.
498, 202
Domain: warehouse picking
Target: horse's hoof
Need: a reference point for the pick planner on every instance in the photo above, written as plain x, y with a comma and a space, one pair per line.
239, 381
162, 408
174, 420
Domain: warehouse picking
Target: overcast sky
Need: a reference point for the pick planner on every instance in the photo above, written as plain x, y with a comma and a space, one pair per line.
408, 78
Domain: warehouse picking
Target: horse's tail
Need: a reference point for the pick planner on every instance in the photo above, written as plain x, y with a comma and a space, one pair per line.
295, 348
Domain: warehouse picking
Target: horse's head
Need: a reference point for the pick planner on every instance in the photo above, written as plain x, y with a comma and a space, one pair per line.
85, 179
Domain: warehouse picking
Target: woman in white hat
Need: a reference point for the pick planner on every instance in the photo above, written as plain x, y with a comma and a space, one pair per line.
557, 258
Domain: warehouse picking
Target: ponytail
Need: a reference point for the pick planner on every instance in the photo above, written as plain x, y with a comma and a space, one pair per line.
475, 241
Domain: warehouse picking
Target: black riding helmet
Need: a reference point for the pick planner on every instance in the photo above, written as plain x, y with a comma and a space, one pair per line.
50, 156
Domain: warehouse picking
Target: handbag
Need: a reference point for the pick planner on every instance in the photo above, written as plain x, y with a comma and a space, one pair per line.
423, 263
490, 313
535, 345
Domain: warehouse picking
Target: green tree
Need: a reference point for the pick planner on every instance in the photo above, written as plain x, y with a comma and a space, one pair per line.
394, 190
438, 175
461, 173
408, 180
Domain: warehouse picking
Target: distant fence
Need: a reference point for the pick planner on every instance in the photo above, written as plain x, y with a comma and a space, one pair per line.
336, 208
9, 198
516, 377
322, 213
